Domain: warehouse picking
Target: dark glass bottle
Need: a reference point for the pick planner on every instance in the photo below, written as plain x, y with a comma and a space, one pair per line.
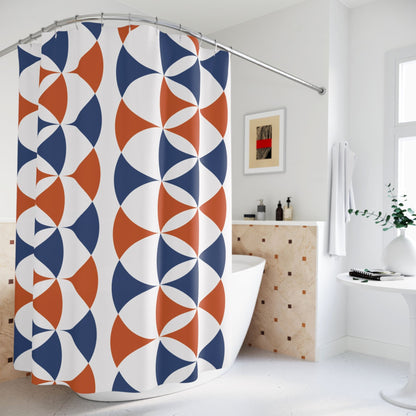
279, 212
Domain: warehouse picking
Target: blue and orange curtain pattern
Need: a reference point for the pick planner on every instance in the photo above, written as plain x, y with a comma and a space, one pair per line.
122, 238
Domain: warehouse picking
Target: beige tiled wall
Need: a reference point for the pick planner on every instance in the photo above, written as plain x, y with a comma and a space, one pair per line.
7, 256
284, 317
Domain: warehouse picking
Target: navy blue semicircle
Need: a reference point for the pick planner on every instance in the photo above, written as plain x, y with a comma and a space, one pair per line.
53, 150
193, 376
84, 334
167, 258
49, 355
189, 182
191, 79
21, 344
216, 161
39, 226
87, 228
188, 283
37, 329
57, 49
51, 252
94, 28
214, 255
26, 59
24, 155
214, 351
217, 66
42, 124
89, 120
169, 155
170, 51
125, 287
167, 363
127, 179
121, 385
128, 70
22, 249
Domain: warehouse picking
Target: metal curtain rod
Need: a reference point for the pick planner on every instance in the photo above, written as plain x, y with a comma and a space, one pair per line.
155, 21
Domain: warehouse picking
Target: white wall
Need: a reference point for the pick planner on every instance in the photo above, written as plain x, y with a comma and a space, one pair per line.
374, 29
331, 296
30, 20
295, 40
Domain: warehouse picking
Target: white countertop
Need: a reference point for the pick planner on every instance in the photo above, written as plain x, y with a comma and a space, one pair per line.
258, 222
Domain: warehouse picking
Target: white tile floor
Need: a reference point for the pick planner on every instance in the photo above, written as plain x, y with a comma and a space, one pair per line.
259, 384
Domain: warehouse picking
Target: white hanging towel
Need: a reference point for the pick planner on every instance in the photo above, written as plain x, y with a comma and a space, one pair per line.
342, 196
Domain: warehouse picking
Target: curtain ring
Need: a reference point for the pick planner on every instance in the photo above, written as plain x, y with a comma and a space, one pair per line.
129, 22
157, 23
216, 46
76, 21
102, 19
180, 32
56, 29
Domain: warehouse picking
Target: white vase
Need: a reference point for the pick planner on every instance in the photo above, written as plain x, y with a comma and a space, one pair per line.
400, 255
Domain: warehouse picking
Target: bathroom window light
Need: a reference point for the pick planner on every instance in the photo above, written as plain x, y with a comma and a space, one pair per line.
406, 175
400, 126
407, 91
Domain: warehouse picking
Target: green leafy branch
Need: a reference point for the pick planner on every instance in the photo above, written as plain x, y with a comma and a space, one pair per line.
400, 217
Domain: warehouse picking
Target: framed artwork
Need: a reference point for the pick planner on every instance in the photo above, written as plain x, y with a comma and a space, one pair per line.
264, 142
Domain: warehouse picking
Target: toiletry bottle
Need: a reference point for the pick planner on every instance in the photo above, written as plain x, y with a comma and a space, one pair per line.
279, 212
288, 211
261, 210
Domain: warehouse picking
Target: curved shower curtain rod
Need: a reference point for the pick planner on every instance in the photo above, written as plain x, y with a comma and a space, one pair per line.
155, 21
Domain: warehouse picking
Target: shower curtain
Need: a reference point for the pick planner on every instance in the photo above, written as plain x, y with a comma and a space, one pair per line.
122, 238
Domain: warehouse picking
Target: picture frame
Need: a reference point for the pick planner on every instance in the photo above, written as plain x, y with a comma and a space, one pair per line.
264, 142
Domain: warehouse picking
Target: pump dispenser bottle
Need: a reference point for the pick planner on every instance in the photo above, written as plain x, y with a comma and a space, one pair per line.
261, 210
288, 211
279, 212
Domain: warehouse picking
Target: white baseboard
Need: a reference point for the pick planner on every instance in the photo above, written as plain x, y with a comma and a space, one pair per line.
378, 348
331, 349
363, 346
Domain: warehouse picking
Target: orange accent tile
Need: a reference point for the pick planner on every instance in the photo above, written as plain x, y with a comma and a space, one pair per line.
263, 240
275, 319
304, 226
303, 292
28, 374
303, 325
276, 226
275, 350
303, 357
250, 254
11, 281
276, 288
276, 256
303, 258
11, 241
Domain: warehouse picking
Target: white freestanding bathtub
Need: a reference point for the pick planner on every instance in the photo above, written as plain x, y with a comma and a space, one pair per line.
241, 290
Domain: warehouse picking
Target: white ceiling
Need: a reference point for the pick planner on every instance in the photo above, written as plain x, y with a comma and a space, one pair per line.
210, 16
